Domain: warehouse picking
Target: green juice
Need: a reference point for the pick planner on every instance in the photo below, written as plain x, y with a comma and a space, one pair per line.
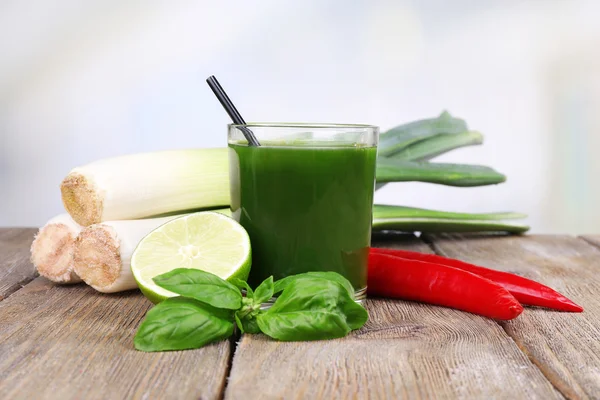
306, 208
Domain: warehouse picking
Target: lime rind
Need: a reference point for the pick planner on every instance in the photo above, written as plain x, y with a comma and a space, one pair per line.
205, 240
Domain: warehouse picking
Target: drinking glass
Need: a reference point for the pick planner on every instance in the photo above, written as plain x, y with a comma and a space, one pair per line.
305, 196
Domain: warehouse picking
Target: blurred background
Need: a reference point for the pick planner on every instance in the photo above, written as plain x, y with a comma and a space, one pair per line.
85, 80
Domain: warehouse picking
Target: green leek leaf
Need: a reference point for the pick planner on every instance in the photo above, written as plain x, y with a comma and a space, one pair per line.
402, 136
431, 225
389, 170
432, 147
381, 211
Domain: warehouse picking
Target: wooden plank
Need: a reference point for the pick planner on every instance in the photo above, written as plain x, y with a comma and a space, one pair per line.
70, 342
565, 346
405, 351
15, 268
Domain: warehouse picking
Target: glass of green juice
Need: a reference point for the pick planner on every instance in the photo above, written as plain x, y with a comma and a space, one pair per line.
305, 196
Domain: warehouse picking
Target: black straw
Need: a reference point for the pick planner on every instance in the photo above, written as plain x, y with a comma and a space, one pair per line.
234, 114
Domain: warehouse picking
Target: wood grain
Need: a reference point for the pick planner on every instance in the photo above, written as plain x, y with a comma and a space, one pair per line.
15, 268
565, 346
592, 239
70, 342
405, 351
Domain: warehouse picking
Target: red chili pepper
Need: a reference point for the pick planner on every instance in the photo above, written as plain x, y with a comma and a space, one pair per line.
525, 290
396, 277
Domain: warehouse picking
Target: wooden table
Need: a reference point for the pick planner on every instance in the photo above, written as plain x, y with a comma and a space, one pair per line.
70, 342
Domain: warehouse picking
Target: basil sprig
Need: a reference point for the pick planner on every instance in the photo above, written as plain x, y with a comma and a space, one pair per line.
311, 306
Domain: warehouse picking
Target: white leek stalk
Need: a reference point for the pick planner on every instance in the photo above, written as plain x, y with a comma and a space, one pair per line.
103, 251
147, 184
52, 249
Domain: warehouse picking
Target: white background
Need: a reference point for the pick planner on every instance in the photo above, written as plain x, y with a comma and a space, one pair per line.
85, 80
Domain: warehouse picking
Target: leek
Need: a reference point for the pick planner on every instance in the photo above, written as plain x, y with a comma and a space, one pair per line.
151, 184
52, 249
173, 182
147, 184
102, 255
103, 252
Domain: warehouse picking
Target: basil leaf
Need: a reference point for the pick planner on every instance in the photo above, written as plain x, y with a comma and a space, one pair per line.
202, 286
312, 308
247, 324
264, 291
180, 323
303, 325
356, 314
329, 275
243, 285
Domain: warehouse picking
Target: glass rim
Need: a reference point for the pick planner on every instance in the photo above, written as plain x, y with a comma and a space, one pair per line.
300, 125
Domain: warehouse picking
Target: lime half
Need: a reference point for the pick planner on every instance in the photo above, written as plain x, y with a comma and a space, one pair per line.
206, 240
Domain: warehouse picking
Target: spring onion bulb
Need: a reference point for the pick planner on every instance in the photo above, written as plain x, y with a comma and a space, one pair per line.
147, 184
52, 249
